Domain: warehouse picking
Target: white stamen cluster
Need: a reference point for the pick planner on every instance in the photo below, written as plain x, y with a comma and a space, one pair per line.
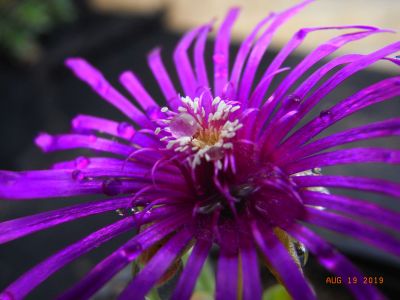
205, 133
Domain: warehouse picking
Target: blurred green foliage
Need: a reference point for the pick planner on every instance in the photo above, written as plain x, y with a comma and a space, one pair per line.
23, 21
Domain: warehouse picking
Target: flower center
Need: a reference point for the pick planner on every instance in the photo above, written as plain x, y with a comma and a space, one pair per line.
202, 128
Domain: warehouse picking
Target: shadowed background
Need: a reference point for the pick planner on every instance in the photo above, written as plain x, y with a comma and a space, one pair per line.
39, 94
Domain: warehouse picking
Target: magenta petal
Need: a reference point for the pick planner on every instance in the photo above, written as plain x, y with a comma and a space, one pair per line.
27, 282
280, 259
252, 286
346, 156
221, 51
359, 183
199, 63
355, 229
261, 46
135, 87
335, 262
156, 267
354, 207
85, 124
115, 262
17, 228
164, 81
374, 130
182, 62
188, 278
96, 80
49, 143
227, 277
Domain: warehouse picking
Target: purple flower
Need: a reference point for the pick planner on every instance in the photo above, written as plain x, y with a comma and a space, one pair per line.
218, 164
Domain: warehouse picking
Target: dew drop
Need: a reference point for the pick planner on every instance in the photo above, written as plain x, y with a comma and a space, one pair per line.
77, 175
301, 252
111, 187
82, 162
184, 124
92, 138
325, 115
125, 130
294, 98
132, 250
218, 58
126, 211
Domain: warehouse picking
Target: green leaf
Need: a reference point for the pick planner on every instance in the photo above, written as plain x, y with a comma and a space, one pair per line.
276, 292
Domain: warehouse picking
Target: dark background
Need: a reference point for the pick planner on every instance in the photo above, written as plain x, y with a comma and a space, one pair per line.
44, 96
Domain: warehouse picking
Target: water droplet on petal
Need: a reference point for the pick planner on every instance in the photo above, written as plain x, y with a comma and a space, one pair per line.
82, 162
183, 124
294, 98
218, 58
132, 250
301, 252
126, 130
111, 187
126, 211
77, 175
325, 115
92, 138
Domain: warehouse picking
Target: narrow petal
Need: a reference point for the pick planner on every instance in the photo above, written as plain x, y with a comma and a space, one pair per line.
385, 128
17, 228
355, 229
354, 207
52, 183
221, 51
379, 186
50, 143
261, 46
199, 48
188, 278
86, 72
346, 156
161, 75
115, 262
227, 277
244, 51
85, 124
31, 279
293, 43
183, 65
279, 258
381, 91
252, 286
135, 87
335, 262
156, 267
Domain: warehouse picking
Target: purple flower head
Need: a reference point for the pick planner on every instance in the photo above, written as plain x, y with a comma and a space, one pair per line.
221, 162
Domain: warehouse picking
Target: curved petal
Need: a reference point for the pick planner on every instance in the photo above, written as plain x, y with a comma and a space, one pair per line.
358, 183
115, 262
50, 143
280, 259
252, 286
31, 279
17, 228
130, 81
161, 75
221, 51
156, 267
346, 156
355, 229
227, 277
86, 124
385, 128
199, 64
86, 72
188, 278
353, 207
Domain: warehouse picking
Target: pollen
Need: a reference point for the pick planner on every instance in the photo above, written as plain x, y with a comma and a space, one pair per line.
203, 129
